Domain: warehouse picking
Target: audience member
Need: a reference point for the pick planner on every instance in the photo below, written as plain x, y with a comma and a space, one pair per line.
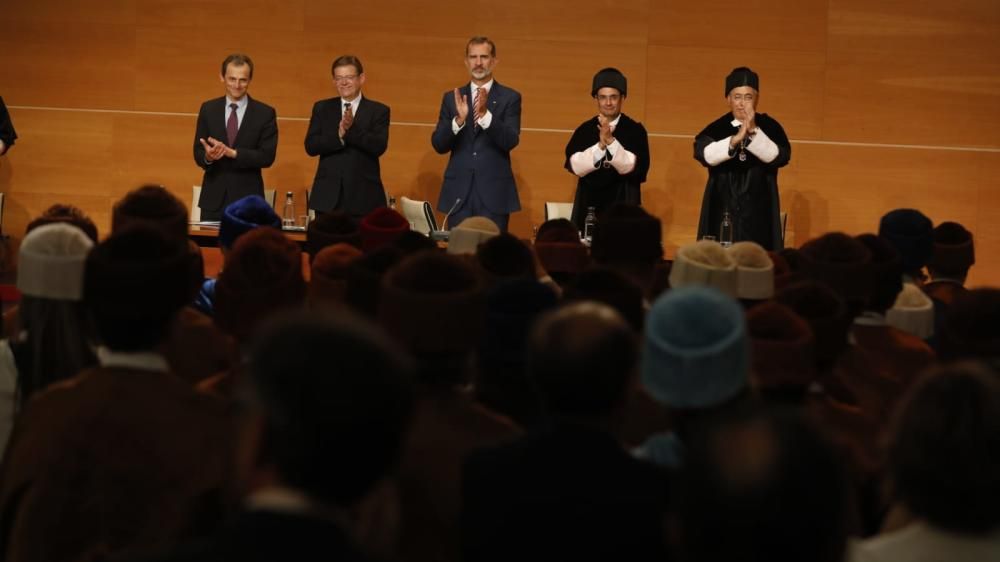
470, 233
944, 457
324, 445
568, 490
54, 336
434, 305
760, 485
126, 455
331, 228
912, 234
695, 361
629, 239
381, 227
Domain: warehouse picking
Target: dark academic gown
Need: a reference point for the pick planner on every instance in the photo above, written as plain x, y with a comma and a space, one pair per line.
7, 133
605, 186
747, 189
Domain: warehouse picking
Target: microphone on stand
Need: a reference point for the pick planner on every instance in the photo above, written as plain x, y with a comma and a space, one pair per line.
444, 223
443, 234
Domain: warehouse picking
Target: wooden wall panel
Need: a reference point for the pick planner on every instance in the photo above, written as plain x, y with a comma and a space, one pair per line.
913, 73
65, 64
798, 25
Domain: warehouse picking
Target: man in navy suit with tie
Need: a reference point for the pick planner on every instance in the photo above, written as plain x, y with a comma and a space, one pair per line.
235, 138
479, 124
349, 133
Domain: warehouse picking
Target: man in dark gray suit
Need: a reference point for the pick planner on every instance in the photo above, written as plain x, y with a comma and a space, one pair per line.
479, 124
235, 138
349, 133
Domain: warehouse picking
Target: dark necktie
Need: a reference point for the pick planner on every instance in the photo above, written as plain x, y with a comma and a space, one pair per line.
232, 125
348, 112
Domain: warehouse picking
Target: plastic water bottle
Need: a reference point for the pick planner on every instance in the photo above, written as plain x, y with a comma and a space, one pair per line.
588, 224
726, 230
288, 215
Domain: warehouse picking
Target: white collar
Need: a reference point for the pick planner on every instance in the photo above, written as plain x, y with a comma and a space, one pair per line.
488, 86
241, 104
354, 103
279, 498
869, 318
141, 360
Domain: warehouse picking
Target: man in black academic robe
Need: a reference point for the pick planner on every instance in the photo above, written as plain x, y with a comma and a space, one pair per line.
609, 152
743, 151
7, 134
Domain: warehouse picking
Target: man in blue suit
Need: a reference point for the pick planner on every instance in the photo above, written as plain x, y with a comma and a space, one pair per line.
479, 124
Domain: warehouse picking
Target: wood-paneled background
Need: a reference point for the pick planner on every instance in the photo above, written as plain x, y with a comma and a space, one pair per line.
889, 103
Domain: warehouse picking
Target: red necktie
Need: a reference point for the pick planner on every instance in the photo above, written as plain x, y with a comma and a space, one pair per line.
480, 92
232, 125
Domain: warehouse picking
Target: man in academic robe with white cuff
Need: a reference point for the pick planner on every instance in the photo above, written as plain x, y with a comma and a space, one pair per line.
743, 150
609, 152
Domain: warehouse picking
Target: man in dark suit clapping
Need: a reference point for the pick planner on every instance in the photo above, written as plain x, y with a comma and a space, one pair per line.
479, 124
235, 138
349, 133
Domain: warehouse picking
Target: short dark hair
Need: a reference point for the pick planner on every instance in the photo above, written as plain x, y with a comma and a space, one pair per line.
237, 59
331, 429
944, 454
506, 256
581, 358
134, 283
153, 205
481, 40
769, 483
69, 214
347, 60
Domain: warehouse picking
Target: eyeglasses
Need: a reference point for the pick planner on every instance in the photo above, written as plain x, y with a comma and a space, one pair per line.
351, 78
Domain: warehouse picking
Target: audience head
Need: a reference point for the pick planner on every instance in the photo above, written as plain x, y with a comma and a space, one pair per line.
501, 381
434, 305
51, 262
613, 288
782, 349
825, 312
696, 352
68, 214
153, 205
263, 276
412, 242
331, 228
470, 233
954, 252
329, 390
885, 273
559, 249
970, 329
244, 215
754, 271
381, 227
505, 256
627, 235
912, 234
842, 263
50, 314
134, 284
582, 358
328, 275
705, 264
760, 485
363, 279
944, 453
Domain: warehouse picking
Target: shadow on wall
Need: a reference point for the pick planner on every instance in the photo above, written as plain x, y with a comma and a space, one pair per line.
808, 217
